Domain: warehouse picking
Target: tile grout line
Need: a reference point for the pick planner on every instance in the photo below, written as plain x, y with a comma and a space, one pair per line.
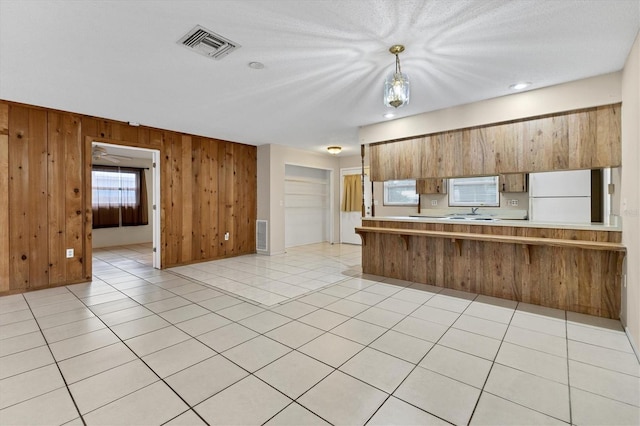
566, 330
136, 390
493, 362
64, 380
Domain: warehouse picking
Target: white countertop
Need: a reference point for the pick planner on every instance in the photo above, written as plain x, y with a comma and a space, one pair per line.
500, 222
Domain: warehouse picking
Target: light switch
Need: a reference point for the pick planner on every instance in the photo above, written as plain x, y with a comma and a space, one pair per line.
69, 253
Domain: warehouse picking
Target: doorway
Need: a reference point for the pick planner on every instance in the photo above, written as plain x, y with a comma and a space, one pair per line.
352, 219
307, 205
147, 161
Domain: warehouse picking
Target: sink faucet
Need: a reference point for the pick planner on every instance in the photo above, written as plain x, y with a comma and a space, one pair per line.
474, 210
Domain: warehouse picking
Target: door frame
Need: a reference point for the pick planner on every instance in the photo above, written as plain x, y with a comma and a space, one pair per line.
155, 201
345, 172
330, 195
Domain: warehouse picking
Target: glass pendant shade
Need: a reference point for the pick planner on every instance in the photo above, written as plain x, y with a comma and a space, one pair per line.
396, 86
396, 90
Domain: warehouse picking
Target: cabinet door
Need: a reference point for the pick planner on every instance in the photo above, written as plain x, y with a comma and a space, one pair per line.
431, 186
513, 182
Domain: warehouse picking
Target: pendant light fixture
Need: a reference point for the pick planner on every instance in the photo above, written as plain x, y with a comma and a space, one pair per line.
396, 86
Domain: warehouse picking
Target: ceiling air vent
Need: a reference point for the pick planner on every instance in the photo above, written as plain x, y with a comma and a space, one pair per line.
207, 43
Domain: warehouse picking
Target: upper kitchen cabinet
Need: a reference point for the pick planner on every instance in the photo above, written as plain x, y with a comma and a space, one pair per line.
514, 182
431, 186
573, 140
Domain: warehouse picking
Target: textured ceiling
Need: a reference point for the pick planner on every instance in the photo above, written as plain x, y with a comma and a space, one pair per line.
325, 61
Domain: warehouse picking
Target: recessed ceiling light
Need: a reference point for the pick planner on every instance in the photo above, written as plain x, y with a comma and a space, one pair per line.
520, 86
256, 65
389, 115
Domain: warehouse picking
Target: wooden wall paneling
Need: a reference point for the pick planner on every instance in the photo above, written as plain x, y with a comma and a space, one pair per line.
196, 198
610, 295
4, 197
175, 217
225, 194
420, 259
37, 200
204, 201
167, 201
77, 196
79, 232
55, 199
589, 296
214, 231
245, 203
4, 211
238, 203
18, 197
186, 190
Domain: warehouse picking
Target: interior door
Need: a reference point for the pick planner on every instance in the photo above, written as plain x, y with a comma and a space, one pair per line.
350, 220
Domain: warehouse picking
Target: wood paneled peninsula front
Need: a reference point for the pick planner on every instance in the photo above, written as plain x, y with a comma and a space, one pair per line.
571, 267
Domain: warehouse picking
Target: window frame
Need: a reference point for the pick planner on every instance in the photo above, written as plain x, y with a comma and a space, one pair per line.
454, 203
131, 206
385, 198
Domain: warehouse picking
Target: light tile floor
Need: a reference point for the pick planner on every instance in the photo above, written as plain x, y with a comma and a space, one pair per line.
308, 340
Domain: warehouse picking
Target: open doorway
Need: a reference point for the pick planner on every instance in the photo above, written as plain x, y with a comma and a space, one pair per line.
351, 217
308, 205
125, 197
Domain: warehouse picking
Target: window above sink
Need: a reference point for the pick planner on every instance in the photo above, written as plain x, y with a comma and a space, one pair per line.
474, 192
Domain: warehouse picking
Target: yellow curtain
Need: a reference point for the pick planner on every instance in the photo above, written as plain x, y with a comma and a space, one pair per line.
352, 197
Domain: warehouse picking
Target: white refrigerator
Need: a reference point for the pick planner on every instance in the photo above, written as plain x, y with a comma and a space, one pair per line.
560, 196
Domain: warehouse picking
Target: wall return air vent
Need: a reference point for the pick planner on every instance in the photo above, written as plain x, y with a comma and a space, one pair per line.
207, 43
261, 236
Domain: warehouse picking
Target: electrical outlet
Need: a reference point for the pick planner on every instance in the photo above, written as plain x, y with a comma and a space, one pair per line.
513, 202
434, 202
69, 253
226, 236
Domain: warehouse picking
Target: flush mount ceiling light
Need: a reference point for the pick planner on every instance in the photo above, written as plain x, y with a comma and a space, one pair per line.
256, 65
520, 86
396, 86
335, 150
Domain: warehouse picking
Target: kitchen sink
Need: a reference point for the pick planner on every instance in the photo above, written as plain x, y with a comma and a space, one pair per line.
471, 218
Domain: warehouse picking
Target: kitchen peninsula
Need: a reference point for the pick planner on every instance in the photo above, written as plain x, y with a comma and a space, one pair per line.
572, 267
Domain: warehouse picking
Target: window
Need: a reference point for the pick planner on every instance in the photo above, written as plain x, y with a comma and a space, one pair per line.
400, 193
474, 192
118, 197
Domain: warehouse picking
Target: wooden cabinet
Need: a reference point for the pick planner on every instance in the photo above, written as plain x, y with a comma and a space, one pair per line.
573, 140
431, 186
513, 182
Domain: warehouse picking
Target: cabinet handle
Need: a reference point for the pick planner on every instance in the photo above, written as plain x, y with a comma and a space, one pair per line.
438, 188
503, 187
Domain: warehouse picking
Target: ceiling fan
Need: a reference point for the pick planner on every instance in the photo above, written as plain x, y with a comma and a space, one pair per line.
100, 153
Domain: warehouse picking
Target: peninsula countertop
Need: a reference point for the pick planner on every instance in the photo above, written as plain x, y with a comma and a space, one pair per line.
499, 222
